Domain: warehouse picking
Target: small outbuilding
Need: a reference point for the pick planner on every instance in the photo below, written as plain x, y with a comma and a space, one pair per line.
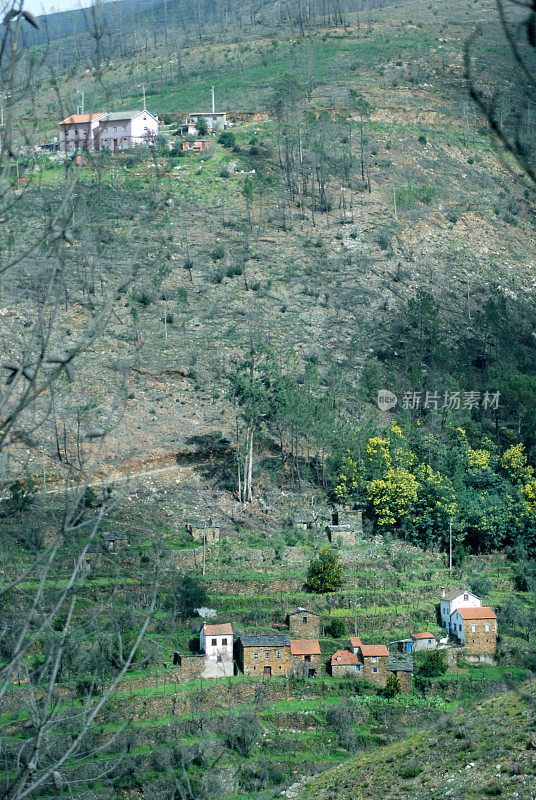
423, 641
341, 535
402, 667
306, 657
304, 624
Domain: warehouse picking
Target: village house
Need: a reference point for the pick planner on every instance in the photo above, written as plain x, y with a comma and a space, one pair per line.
341, 535
216, 120
304, 624
476, 628
124, 129
423, 641
302, 522
402, 667
374, 658
260, 655
216, 642
204, 531
197, 146
112, 542
345, 663
456, 599
306, 657
342, 515
80, 132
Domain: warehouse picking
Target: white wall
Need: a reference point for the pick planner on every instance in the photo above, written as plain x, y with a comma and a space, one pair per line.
447, 607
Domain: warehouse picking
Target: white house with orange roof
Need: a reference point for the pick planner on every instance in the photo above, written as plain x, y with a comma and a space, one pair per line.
80, 131
216, 642
458, 598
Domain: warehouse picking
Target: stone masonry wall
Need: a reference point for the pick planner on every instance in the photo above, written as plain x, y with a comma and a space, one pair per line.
310, 629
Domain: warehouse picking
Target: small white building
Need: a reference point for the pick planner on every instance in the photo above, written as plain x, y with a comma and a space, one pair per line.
423, 641
80, 132
216, 642
124, 129
456, 599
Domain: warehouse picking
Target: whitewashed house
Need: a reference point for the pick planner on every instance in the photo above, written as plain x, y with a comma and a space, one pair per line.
80, 132
453, 600
124, 129
216, 642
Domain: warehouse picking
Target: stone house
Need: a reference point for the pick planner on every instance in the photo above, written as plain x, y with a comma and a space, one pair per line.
341, 535
265, 656
302, 522
306, 657
402, 667
200, 531
80, 132
345, 663
304, 624
476, 628
423, 641
112, 542
374, 658
450, 601
192, 665
343, 515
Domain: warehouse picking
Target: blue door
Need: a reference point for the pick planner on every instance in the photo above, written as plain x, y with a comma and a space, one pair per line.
409, 647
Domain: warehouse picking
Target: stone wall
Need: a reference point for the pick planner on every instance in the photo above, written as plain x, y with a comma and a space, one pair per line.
405, 678
301, 667
191, 667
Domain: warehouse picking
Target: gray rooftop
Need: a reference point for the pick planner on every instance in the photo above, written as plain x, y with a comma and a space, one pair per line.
116, 116
400, 663
273, 640
301, 610
456, 593
115, 537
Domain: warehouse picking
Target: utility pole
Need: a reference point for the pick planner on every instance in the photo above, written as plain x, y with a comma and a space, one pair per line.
213, 103
204, 549
355, 617
450, 546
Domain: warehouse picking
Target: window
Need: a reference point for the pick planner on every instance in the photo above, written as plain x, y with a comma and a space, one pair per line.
255, 654
466, 596
375, 669
307, 658
374, 659
213, 642
429, 641
473, 628
224, 641
338, 658
278, 653
486, 628
267, 654
115, 128
358, 667
304, 620
76, 131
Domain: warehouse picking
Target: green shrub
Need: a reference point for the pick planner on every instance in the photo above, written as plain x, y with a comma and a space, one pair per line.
410, 770
432, 665
227, 139
336, 628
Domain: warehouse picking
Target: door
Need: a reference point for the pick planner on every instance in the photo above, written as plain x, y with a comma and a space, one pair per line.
312, 673
267, 672
115, 144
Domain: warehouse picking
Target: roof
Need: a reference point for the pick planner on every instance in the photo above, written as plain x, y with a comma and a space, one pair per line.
225, 629
74, 118
355, 641
115, 537
208, 113
301, 610
400, 663
344, 657
456, 593
423, 635
342, 528
274, 640
305, 647
483, 612
119, 115
373, 650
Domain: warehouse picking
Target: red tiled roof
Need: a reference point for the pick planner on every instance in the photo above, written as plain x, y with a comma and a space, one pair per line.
374, 650
483, 612
344, 657
218, 630
424, 635
305, 647
74, 118
355, 641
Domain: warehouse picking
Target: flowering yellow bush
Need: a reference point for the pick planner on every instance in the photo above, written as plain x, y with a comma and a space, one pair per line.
478, 459
437, 486
514, 463
347, 479
393, 495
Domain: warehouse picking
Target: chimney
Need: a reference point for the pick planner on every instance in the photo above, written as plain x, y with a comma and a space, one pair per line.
443, 592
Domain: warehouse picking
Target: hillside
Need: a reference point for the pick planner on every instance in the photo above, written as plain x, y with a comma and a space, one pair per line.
487, 751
